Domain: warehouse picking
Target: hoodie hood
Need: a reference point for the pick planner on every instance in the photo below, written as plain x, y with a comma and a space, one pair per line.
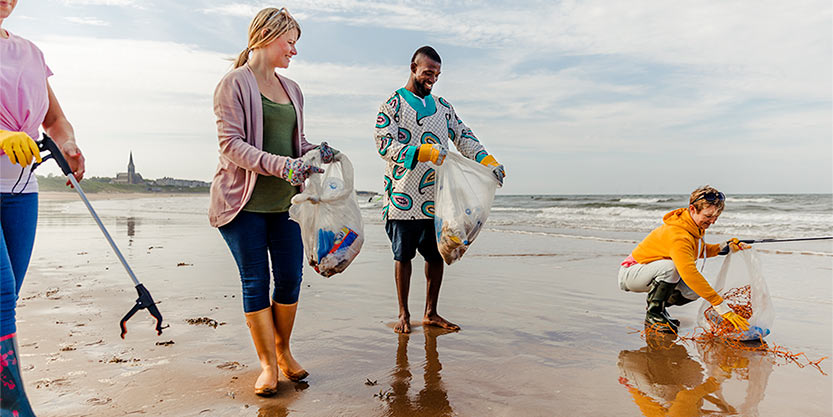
682, 218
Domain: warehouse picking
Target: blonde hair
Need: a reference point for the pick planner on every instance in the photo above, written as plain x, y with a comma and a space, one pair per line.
701, 203
276, 22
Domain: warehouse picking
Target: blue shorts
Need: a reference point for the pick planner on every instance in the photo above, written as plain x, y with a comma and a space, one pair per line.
409, 236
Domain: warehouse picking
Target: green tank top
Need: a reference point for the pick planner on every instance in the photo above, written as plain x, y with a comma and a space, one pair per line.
273, 194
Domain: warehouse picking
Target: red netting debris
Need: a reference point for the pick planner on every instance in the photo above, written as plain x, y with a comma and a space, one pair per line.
740, 301
780, 355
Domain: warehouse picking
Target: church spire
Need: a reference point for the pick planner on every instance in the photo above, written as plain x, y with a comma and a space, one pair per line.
131, 171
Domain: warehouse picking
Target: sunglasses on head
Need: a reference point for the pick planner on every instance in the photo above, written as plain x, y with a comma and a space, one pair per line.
274, 13
711, 197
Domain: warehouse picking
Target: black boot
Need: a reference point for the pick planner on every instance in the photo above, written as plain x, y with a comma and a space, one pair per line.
677, 299
675, 322
13, 401
656, 316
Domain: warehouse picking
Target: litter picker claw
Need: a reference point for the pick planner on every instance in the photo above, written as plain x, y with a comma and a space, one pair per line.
144, 300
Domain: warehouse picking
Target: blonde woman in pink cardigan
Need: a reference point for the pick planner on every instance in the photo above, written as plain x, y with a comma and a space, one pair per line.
260, 126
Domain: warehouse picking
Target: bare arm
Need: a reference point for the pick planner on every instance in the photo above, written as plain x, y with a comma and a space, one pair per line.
57, 126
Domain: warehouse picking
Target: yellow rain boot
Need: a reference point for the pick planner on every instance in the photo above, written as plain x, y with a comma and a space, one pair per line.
284, 316
262, 329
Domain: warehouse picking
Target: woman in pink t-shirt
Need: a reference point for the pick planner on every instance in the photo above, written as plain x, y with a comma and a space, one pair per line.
26, 103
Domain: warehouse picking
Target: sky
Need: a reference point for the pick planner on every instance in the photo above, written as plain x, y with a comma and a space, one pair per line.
573, 97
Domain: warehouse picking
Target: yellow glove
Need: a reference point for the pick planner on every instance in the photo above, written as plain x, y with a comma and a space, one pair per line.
736, 320
732, 245
435, 153
736, 245
19, 147
724, 310
497, 168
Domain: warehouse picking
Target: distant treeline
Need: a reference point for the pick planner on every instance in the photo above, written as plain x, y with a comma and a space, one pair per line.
103, 185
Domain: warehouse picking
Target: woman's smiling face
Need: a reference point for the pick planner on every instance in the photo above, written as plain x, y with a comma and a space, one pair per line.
280, 51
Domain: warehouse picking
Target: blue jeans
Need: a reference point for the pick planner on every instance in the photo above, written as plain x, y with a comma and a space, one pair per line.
253, 239
18, 221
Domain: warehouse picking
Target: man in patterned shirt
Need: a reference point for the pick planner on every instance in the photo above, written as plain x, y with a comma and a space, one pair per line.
414, 128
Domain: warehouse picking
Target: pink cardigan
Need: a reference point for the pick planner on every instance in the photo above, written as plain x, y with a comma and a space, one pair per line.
239, 111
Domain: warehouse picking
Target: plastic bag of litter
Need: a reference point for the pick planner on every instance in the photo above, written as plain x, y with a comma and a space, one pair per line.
741, 283
331, 223
463, 199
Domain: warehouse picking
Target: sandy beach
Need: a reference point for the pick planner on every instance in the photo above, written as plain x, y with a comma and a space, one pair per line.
545, 329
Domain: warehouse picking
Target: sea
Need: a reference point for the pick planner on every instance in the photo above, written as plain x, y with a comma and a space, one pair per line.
630, 217
597, 217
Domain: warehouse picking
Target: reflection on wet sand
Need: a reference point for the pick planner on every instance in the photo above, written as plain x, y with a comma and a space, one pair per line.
665, 380
432, 399
278, 405
273, 411
131, 223
131, 227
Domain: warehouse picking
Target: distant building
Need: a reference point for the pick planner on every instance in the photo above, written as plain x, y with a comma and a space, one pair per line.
131, 176
180, 183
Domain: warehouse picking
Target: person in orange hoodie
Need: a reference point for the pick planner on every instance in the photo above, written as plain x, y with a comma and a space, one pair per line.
664, 263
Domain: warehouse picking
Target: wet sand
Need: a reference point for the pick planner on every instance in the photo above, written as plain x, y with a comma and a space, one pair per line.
545, 330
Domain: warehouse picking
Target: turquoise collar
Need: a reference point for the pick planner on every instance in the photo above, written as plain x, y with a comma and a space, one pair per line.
422, 110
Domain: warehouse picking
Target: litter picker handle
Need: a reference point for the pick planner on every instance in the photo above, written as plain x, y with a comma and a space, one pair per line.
145, 301
799, 239
47, 144
725, 250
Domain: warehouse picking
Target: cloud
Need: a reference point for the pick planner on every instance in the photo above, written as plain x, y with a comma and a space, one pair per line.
99, 2
154, 98
234, 9
617, 92
92, 21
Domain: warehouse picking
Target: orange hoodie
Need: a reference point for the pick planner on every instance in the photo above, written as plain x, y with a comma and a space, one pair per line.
677, 240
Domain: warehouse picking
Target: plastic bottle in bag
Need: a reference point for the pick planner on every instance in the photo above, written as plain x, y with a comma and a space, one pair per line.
463, 200
743, 287
331, 223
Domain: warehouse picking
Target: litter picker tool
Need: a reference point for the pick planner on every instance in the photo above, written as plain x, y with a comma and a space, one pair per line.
798, 239
144, 300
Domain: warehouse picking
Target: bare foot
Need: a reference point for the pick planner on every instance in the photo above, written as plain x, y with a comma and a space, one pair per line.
403, 325
437, 321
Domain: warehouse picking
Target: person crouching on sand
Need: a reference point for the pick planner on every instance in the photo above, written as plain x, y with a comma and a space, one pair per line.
260, 127
664, 263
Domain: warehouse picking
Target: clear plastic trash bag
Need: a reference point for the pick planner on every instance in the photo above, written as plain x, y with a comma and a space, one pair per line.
463, 199
741, 283
331, 223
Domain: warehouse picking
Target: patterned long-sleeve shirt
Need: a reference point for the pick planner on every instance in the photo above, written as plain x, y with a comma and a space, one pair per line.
403, 124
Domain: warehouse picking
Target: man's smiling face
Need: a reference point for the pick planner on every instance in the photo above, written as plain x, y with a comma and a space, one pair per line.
426, 71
